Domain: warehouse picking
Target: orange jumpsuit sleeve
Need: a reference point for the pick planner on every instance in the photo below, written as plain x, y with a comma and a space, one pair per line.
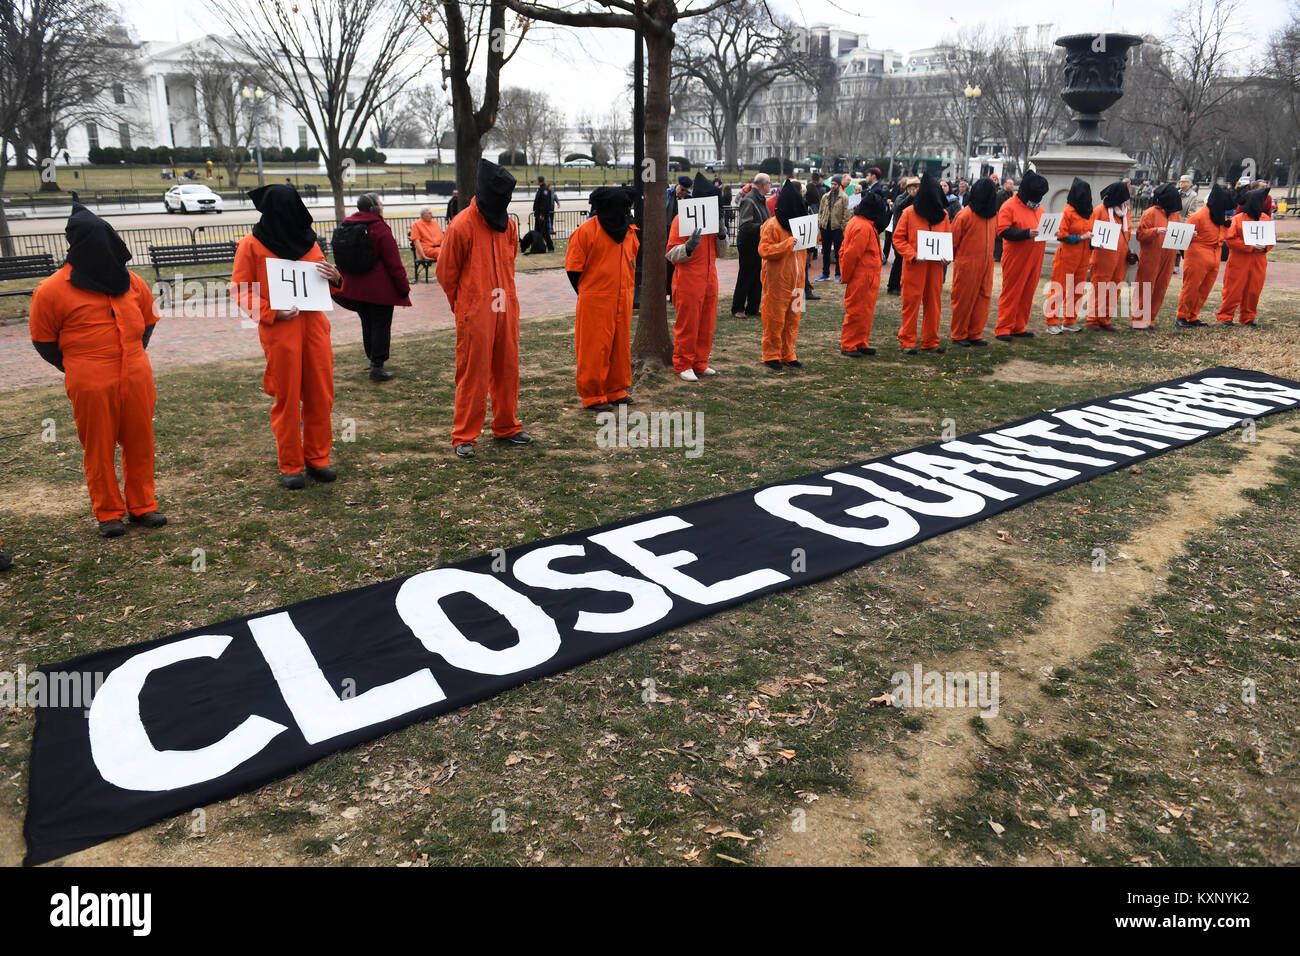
1233, 237
1148, 224
575, 255
960, 227
144, 297
451, 262
247, 275
851, 248
905, 235
770, 247
46, 319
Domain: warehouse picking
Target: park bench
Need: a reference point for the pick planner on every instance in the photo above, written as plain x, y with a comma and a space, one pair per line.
193, 254
25, 267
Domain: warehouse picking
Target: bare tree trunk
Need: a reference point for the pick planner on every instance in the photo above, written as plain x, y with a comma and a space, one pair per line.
652, 343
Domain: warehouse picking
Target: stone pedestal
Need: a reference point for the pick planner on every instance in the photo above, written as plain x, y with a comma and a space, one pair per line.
1098, 166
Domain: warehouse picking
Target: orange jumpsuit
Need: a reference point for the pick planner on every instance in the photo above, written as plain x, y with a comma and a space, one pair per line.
299, 372
1109, 266
1069, 270
1155, 267
427, 237
695, 298
602, 329
782, 302
922, 281
1022, 266
971, 293
109, 380
1200, 264
1243, 277
860, 271
476, 269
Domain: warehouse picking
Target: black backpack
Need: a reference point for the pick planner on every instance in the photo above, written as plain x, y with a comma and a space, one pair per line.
354, 253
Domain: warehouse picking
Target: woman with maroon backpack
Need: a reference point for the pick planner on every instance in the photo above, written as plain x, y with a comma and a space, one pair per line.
374, 277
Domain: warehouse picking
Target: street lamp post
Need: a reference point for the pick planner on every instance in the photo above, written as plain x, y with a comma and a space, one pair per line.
894, 123
253, 103
972, 94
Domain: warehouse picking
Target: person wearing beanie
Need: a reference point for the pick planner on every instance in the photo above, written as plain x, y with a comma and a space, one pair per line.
1243, 276
601, 263
783, 275
1155, 263
92, 320
1201, 260
1108, 266
922, 279
1022, 257
695, 288
1066, 293
476, 270
973, 234
860, 265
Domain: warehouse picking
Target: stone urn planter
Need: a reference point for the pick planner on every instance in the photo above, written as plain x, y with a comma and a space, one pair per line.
1094, 79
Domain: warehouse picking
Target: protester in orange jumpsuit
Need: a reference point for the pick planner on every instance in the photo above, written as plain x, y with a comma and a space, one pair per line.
1022, 257
1066, 296
974, 233
782, 302
92, 320
426, 236
299, 374
1202, 258
1109, 266
922, 278
860, 262
601, 262
1155, 263
1243, 277
476, 269
695, 288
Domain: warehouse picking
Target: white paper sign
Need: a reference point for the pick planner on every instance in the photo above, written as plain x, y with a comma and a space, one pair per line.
933, 246
702, 212
1048, 225
1178, 235
1105, 235
805, 231
297, 283
1258, 233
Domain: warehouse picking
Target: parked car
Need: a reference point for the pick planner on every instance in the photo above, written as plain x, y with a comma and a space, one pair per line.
579, 164
191, 198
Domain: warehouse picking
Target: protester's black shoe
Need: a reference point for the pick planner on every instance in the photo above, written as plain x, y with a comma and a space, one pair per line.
937, 350
811, 296
293, 482
909, 351
379, 374
1182, 323
794, 364
6, 562
601, 407
978, 343
1249, 325
325, 474
1023, 335
1003, 338
465, 451
625, 400
964, 343
519, 438
150, 519
851, 353
866, 350
893, 292
773, 364
112, 529
1108, 328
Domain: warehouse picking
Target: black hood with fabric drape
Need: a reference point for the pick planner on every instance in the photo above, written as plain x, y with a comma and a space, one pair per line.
789, 204
983, 198
492, 194
1080, 197
285, 226
1219, 201
1253, 204
612, 207
1115, 195
1032, 188
930, 202
1168, 198
873, 208
703, 187
97, 253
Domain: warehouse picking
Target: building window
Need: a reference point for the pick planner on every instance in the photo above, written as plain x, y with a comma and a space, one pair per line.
92, 135
167, 94
352, 99
119, 94
302, 137
124, 135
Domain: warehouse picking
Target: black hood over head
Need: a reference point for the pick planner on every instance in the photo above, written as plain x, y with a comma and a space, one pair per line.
1080, 197
873, 208
930, 203
492, 194
1168, 198
703, 187
1032, 188
1114, 195
789, 204
1253, 204
1219, 201
285, 226
983, 198
612, 207
97, 253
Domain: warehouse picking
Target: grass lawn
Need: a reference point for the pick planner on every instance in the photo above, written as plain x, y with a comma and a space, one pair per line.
763, 745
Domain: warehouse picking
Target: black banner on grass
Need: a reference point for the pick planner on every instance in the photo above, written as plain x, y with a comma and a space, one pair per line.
182, 721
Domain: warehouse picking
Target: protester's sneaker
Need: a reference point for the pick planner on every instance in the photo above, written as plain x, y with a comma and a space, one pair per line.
909, 351
793, 363
1053, 330
739, 315
293, 482
822, 279
150, 519
964, 343
866, 350
851, 353
324, 474
810, 296
688, 375
773, 364
978, 343
1023, 335
1071, 327
518, 438
112, 529
708, 371
379, 374
465, 451
1004, 337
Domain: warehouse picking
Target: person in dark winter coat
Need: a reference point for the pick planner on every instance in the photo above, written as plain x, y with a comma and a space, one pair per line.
373, 294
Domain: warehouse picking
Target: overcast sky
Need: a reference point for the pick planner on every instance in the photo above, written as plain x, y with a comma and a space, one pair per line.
585, 70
